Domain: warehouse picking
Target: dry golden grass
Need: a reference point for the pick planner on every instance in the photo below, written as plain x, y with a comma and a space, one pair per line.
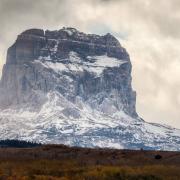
64, 163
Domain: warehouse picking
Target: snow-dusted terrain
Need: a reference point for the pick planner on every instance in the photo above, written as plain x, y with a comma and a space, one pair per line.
60, 121
73, 95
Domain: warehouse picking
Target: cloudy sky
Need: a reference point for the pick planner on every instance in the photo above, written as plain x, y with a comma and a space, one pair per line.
148, 29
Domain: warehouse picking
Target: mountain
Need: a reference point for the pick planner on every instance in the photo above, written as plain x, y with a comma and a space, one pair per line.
74, 88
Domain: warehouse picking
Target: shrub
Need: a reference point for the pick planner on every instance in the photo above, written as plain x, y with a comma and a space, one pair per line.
158, 156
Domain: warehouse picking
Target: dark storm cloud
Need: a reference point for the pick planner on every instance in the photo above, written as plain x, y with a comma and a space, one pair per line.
149, 29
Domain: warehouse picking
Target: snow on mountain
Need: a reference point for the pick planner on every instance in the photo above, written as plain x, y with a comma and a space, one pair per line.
74, 88
95, 64
61, 121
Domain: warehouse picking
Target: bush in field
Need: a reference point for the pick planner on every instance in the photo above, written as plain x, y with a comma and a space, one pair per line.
158, 156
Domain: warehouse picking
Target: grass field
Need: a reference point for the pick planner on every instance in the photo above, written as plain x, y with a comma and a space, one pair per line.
61, 162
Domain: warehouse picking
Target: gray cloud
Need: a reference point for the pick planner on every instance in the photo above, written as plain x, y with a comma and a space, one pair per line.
149, 29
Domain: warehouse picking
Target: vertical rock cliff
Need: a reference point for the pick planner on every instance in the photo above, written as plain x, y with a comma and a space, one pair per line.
97, 66
69, 87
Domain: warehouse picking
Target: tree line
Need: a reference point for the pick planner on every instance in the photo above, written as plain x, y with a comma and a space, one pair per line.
18, 143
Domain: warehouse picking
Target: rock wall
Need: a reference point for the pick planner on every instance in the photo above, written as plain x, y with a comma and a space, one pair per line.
29, 73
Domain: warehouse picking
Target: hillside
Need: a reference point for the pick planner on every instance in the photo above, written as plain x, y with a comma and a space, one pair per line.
62, 162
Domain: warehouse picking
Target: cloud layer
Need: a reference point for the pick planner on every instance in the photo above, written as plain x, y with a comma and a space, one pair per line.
148, 29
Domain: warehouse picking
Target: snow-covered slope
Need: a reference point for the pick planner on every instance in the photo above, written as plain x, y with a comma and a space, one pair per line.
61, 121
72, 88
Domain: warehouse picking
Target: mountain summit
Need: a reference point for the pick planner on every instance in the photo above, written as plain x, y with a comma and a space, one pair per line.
69, 62
74, 88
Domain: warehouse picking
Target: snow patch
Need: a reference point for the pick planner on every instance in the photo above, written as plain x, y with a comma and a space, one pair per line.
57, 67
105, 61
70, 33
73, 57
95, 64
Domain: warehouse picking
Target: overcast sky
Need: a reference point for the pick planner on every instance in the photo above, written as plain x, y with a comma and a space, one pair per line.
148, 29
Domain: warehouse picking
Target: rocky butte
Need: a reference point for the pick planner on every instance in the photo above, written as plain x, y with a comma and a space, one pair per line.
73, 88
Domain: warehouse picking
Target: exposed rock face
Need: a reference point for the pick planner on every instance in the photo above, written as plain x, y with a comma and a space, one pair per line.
24, 77
74, 88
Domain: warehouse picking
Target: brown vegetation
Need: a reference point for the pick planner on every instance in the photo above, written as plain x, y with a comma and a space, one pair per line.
60, 162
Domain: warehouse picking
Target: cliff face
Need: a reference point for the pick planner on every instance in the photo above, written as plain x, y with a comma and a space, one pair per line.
35, 42
73, 88
95, 68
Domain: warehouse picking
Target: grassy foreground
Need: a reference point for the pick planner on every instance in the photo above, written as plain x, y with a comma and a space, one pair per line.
61, 162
